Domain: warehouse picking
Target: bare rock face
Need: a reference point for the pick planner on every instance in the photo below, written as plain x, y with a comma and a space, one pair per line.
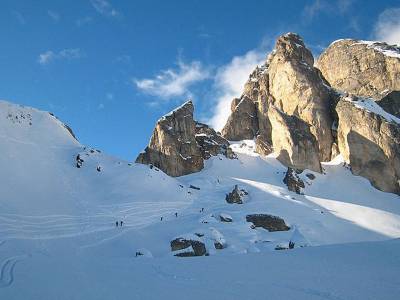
242, 123
263, 146
293, 141
268, 222
391, 103
369, 140
257, 89
173, 147
361, 68
212, 143
298, 89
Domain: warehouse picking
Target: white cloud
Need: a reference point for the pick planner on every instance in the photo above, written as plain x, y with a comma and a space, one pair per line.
49, 56
229, 83
387, 28
173, 82
324, 6
83, 21
53, 15
310, 11
344, 5
105, 8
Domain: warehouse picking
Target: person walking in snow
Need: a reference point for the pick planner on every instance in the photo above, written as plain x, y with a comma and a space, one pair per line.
176, 215
121, 222
161, 218
116, 224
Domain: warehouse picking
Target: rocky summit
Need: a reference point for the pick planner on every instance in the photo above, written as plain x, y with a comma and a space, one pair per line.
362, 68
179, 145
301, 112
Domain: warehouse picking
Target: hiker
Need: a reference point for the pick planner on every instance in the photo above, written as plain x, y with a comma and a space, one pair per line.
202, 209
161, 218
176, 215
116, 223
121, 223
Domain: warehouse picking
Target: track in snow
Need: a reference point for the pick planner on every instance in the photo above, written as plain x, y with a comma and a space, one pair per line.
133, 215
7, 270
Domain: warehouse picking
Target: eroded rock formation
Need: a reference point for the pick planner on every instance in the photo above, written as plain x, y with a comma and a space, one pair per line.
179, 145
369, 140
293, 141
173, 147
361, 68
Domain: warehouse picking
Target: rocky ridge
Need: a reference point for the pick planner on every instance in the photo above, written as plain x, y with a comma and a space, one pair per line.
303, 113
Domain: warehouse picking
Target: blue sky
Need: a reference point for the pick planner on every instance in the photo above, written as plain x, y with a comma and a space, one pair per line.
111, 68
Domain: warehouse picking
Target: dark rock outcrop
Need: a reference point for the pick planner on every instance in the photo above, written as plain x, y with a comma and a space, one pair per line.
293, 181
269, 222
235, 196
212, 143
198, 248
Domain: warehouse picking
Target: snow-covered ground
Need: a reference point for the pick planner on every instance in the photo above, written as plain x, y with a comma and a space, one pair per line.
59, 240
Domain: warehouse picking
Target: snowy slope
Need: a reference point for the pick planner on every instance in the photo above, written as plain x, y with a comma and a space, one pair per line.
59, 220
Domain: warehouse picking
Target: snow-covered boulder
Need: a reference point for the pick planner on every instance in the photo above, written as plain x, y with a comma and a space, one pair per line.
184, 247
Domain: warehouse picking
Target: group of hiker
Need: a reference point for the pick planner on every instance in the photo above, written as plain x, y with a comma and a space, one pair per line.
120, 223
176, 214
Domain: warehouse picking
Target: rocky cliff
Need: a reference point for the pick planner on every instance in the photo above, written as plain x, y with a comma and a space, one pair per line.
179, 145
369, 140
362, 68
305, 114
289, 82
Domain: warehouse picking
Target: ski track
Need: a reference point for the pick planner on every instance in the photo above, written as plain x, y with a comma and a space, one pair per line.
7, 270
134, 215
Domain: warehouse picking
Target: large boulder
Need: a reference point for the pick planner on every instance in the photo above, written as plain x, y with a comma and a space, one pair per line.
297, 88
173, 147
188, 247
293, 141
361, 68
268, 222
236, 195
369, 140
242, 124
